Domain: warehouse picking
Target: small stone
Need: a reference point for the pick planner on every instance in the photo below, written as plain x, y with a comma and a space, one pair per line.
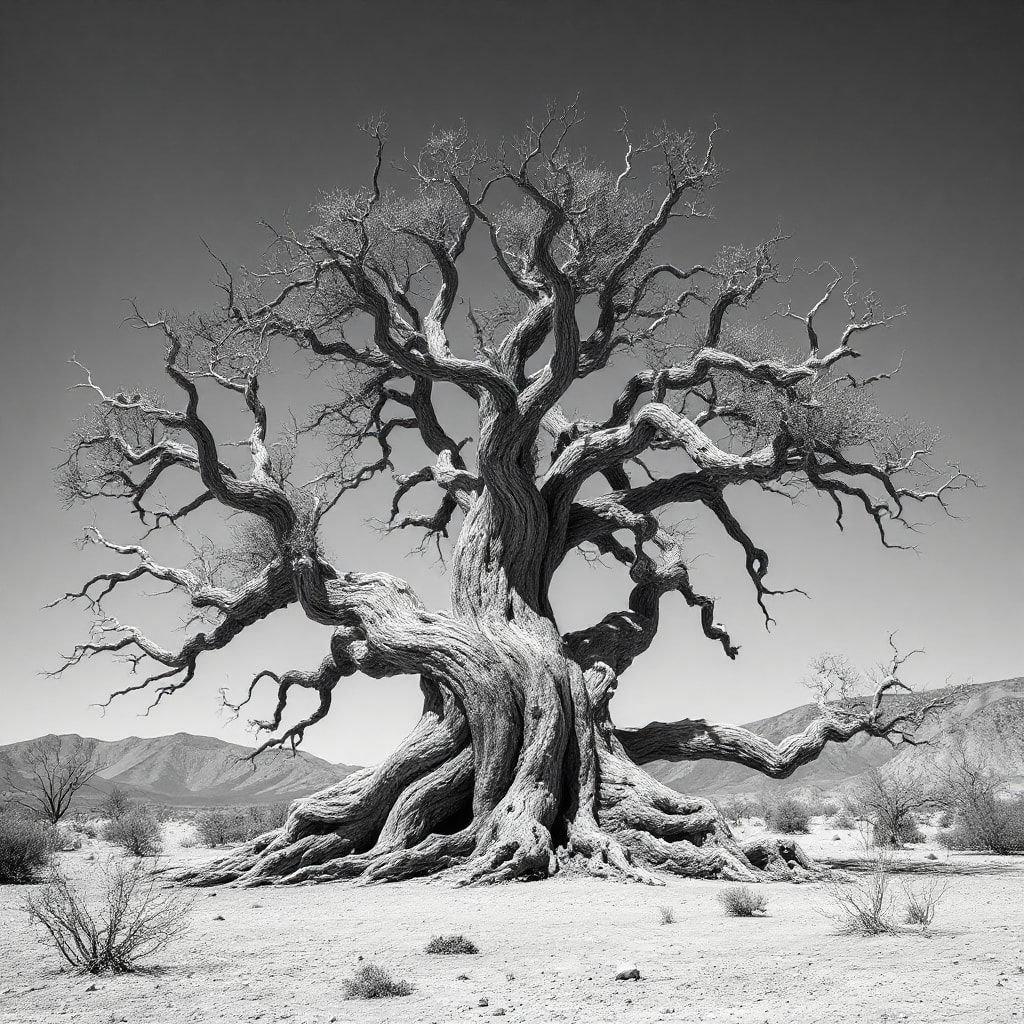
483, 1001
93, 988
499, 1012
218, 917
627, 972
462, 977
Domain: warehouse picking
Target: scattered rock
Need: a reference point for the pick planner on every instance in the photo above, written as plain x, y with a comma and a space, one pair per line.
627, 972
218, 917
93, 987
499, 1012
483, 1001
462, 977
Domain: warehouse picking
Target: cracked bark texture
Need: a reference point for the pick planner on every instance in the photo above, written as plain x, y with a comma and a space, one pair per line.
515, 769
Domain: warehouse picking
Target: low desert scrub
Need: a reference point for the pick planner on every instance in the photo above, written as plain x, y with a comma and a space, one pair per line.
137, 832
26, 847
865, 906
451, 945
666, 915
114, 804
373, 982
979, 813
923, 902
743, 901
842, 819
890, 800
66, 838
789, 816
218, 827
262, 818
131, 919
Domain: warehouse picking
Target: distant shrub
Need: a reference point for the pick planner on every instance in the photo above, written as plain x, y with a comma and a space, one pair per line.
923, 902
667, 915
995, 824
218, 827
26, 848
451, 945
373, 982
264, 818
114, 804
743, 901
131, 919
842, 819
907, 831
789, 816
137, 832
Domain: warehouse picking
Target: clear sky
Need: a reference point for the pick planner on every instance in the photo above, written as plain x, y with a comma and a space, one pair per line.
890, 132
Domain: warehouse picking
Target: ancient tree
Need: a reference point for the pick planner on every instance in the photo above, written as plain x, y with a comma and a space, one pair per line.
515, 767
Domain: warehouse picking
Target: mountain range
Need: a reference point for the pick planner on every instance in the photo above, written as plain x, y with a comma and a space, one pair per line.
187, 770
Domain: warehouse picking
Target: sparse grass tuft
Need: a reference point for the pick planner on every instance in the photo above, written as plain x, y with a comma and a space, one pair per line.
743, 901
922, 903
666, 915
371, 981
451, 945
865, 906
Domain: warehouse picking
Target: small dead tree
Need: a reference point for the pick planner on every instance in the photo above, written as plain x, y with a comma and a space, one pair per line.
889, 798
515, 766
52, 770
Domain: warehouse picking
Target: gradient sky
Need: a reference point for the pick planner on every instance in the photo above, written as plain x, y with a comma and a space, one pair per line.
890, 132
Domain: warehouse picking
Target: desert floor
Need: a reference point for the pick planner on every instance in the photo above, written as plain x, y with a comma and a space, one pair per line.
549, 951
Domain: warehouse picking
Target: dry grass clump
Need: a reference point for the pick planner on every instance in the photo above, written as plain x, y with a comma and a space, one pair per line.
922, 903
131, 919
743, 901
666, 915
451, 945
371, 981
26, 847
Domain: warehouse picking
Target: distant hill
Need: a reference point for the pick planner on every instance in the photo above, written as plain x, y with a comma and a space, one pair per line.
187, 770
987, 718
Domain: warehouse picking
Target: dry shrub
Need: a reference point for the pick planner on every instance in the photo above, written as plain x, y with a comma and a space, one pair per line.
923, 902
264, 818
26, 847
451, 945
666, 915
865, 906
115, 804
219, 827
371, 981
743, 901
132, 918
789, 816
137, 832
842, 819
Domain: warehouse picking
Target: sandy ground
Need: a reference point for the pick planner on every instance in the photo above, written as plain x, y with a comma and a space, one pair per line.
548, 953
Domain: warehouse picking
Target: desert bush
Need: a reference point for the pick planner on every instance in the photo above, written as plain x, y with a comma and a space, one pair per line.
743, 901
907, 831
131, 919
114, 804
996, 824
137, 832
865, 906
26, 847
666, 915
979, 815
371, 981
451, 945
788, 815
219, 827
843, 819
264, 818
923, 902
